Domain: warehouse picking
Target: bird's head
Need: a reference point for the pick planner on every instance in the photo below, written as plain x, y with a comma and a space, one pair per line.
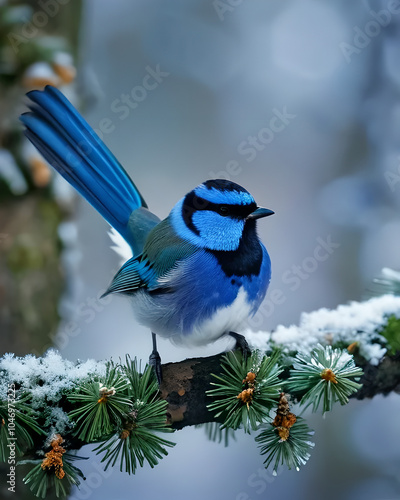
215, 214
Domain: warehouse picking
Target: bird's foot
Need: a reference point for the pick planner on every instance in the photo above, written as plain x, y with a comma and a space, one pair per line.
155, 362
241, 343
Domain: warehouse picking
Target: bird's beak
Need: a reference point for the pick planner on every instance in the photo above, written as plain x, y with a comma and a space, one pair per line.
259, 212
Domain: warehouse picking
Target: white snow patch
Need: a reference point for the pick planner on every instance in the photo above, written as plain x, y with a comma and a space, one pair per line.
58, 421
354, 322
54, 373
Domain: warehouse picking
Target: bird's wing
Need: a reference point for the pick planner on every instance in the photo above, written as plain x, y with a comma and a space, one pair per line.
72, 147
162, 253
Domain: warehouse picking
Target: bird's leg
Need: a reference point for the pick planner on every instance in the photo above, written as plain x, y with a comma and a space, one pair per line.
241, 343
155, 360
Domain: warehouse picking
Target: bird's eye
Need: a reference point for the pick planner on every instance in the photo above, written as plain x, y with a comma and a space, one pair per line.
223, 210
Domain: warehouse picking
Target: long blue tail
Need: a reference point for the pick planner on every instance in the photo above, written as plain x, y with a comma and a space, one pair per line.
72, 147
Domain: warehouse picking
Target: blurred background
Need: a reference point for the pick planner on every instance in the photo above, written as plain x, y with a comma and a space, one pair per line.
297, 101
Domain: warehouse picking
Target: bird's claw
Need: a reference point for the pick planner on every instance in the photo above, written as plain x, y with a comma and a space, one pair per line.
241, 343
155, 362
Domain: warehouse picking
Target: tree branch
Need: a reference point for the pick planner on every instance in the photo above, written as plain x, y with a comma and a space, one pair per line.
185, 384
381, 379
184, 387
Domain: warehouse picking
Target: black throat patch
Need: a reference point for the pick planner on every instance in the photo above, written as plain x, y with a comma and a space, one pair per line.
246, 260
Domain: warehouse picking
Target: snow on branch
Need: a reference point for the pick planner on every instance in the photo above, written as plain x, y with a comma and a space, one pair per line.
358, 323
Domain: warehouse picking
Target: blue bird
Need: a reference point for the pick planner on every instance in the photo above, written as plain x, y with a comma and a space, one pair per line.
196, 275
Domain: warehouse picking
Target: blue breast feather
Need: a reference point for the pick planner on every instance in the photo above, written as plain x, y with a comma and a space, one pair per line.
209, 289
190, 291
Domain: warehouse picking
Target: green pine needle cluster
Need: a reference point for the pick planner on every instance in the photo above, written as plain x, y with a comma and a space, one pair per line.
324, 376
136, 440
247, 389
41, 480
143, 386
135, 445
293, 452
100, 405
17, 425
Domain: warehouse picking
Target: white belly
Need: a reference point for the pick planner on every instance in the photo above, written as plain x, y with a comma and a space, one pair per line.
226, 319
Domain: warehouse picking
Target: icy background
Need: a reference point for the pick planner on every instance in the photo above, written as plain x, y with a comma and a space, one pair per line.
330, 169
